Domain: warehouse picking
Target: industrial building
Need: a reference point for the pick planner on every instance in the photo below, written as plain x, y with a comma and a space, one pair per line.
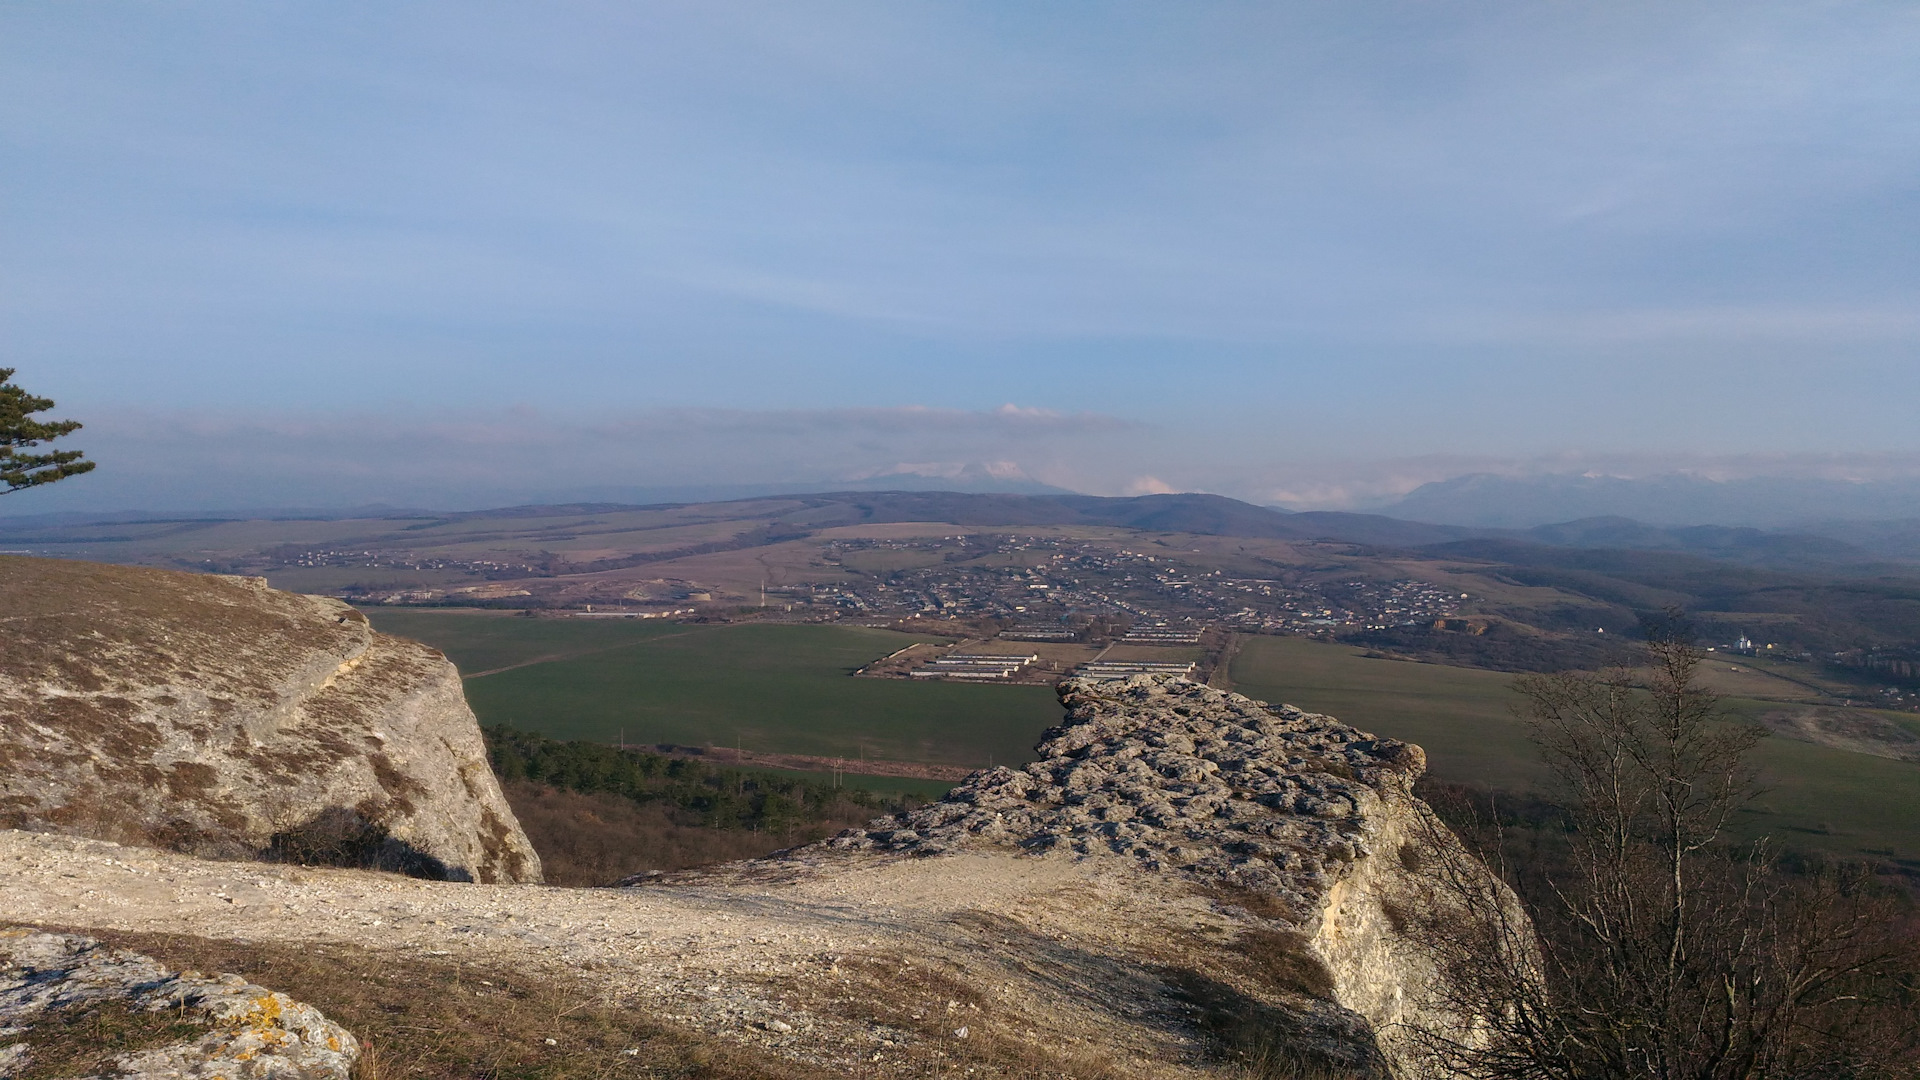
1120, 669
973, 666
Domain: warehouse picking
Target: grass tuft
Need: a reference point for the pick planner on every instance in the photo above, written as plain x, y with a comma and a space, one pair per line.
86, 1039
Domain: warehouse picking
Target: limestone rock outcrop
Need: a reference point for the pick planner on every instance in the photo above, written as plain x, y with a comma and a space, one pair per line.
221, 1026
1313, 823
1187, 885
216, 716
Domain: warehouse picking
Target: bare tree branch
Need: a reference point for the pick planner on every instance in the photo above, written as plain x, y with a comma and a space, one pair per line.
1636, 940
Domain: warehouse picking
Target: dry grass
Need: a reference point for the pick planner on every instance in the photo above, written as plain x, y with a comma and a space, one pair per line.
933, 1004
431, 1019
85, 1040
435, 1019
1283, 961
1262, 1042
1254, 1041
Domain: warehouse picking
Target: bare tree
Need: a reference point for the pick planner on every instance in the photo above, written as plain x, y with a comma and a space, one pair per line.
1658, 947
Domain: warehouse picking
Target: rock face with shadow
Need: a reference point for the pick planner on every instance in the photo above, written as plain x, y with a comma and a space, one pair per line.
1307, 829
1187, 885
214, 716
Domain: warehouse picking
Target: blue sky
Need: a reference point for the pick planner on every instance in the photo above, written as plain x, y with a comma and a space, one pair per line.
1254, 248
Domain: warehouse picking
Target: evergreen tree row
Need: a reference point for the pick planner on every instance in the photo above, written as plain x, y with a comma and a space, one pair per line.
720, 798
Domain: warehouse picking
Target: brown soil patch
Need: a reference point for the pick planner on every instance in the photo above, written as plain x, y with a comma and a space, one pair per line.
723, 755
1855, 730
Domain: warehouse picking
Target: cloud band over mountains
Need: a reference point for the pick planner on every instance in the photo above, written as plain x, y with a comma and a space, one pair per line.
173, 461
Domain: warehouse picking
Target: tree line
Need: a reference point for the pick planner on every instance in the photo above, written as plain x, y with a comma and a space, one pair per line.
719, 798
1628, 931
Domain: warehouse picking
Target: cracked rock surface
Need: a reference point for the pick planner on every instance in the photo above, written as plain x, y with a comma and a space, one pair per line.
1176, 853
249, 1032
215, 716
1180, 776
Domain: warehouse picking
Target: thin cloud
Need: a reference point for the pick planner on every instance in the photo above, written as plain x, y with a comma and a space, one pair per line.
166, 460
716, 205
1149, 485
1890, 323
160, 460
1366, 485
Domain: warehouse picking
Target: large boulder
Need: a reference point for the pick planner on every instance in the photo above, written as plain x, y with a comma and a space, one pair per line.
216, 716
1309, 824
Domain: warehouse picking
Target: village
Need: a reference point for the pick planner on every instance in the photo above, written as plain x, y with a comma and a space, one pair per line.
1013, 656
1051, 587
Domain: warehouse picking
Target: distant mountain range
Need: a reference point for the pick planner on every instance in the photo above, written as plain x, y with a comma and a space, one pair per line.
1484, 500
1822, 547
1206, 515
1857, 586
1851, 546
966, 477
1862, 546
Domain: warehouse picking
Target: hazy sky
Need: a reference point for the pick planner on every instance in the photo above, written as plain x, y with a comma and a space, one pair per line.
309, 248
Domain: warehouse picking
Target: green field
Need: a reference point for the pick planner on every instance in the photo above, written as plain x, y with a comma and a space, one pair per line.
1461, 716
766, 688
478, 641
786, 689
921, 790
1844, 802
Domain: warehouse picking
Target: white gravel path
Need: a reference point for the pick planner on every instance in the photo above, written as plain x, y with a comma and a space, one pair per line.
1060, 948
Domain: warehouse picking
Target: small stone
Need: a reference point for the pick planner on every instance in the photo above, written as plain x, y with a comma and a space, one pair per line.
249, 1030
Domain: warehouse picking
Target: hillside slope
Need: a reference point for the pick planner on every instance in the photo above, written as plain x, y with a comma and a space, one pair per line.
1188, 884
216, 716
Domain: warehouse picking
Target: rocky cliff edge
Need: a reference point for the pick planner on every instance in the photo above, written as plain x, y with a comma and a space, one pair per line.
1188, 883
1303, 836
216, 716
